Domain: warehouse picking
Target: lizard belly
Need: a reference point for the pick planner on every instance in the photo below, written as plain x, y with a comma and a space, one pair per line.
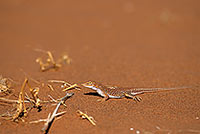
115, 97
103, 94
100, 93
97, 90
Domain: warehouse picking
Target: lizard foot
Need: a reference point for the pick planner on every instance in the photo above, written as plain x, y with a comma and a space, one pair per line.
102, 100
137, 99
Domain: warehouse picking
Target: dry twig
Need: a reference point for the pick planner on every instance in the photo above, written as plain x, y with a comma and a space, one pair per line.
85, 116
51, 118
66, 85
45, 120
74, 86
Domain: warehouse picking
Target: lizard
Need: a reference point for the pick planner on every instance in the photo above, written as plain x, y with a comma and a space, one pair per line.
119, 92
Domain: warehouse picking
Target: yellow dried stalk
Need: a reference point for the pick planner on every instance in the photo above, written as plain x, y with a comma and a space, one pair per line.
50, 59
21, 108
66, 85
85, 116
71, 87
50, 86
34, 93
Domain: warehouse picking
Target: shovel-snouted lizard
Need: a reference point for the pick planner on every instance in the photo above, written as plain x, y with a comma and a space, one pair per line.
119, 92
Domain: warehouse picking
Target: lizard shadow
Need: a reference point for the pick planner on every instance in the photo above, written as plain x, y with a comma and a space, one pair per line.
93, 94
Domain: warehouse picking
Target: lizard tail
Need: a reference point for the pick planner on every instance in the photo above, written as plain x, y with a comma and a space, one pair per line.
136, 91
157, 89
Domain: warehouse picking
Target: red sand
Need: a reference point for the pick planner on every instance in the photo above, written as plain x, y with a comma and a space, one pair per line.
148, 43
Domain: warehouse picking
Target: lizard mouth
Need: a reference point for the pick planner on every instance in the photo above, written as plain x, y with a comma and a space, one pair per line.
85, 85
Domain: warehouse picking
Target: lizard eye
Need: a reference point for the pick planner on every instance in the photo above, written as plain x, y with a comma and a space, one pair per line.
90, 83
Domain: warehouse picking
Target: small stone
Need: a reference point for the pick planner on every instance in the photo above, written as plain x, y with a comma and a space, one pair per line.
137, 132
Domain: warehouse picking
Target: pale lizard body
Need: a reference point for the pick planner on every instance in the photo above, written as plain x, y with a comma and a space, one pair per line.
118, 92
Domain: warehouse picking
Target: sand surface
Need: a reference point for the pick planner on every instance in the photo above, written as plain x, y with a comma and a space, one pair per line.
130, 43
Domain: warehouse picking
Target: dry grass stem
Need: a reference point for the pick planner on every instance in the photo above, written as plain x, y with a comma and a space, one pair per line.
51, 87
52, 99
72, 87
12, 101
66, 85
25, 101
34, 93
38, 121
44, 120
85, 116
21, 108
29, 77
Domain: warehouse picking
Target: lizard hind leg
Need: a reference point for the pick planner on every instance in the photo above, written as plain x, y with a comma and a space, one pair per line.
136, 98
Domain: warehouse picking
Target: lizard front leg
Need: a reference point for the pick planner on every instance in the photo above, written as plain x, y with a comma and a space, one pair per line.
106, 97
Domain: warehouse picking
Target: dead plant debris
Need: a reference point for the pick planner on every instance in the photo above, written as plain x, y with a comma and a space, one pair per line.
50, 61
52, 116
5, 85
21, 109
85, 116
66, 85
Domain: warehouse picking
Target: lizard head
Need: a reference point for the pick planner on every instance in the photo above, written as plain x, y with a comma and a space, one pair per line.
90, 84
